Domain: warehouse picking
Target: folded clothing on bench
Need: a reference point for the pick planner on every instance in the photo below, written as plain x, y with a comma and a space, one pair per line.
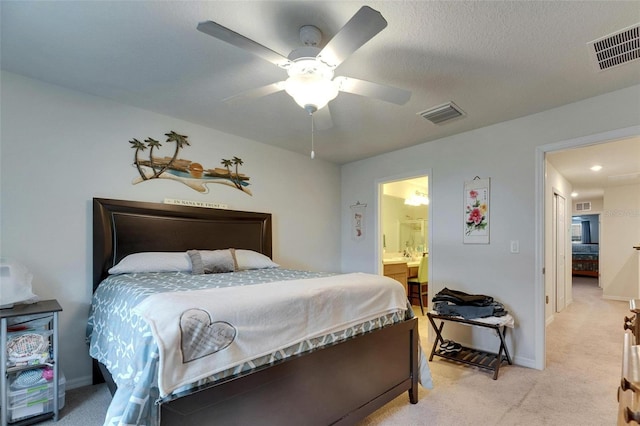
467, 306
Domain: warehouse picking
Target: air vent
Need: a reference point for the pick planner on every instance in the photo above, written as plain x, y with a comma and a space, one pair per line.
442, 113
583, 207
616, 49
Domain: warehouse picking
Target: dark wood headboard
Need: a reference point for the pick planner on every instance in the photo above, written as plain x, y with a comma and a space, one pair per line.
121, 228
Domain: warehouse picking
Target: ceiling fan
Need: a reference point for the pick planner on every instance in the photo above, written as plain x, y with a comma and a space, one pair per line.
311, 81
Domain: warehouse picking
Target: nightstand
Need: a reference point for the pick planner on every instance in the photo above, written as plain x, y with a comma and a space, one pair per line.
37, 402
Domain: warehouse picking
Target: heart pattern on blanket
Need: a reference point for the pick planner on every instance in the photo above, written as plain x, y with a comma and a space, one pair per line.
201, 337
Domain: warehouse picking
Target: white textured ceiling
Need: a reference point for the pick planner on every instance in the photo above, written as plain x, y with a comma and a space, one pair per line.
496, 60
620, 161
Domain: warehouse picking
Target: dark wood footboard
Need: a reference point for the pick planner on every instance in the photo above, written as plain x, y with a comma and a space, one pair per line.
340, 384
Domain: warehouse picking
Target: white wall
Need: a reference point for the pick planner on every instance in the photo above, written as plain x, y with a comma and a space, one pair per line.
60, 148
506, 153
620, 222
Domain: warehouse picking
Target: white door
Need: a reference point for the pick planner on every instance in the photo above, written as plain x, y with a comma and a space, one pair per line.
560, 250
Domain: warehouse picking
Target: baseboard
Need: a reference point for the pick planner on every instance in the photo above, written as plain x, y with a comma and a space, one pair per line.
619, 298
525, 362
79, 382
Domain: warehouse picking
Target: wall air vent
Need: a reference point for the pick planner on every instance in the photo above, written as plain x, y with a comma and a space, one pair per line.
583, 207
616, 49
442, 113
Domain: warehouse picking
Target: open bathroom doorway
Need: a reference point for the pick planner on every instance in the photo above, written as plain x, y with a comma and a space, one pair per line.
404, 227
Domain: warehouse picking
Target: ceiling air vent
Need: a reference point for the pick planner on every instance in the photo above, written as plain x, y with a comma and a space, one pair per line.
616, 49
583, 207
442, 113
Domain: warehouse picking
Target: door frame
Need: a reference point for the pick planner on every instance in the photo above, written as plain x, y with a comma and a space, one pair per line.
540, 180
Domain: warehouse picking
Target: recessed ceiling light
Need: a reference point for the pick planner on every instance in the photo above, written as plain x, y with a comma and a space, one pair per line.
574, 194
596, 168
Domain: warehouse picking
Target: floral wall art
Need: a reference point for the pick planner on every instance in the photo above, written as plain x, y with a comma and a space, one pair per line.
476, 211
190, 173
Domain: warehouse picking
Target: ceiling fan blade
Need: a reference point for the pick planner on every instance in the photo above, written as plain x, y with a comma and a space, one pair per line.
257, 92
373, 90
225, 34
322, 118
361, 28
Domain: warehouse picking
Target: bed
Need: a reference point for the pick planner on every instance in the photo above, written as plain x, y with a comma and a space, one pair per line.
339, 381
584, 259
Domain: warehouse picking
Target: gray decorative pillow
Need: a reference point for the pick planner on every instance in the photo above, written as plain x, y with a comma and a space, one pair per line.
211, 261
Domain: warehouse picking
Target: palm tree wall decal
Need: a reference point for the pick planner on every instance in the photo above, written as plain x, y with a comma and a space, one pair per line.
227, 164
138, 146
152, 143
237, 161
190, 173
233, 177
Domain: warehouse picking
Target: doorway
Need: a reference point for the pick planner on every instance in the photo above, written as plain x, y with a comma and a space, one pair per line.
585, 246
403, 226
543, 240
404, 217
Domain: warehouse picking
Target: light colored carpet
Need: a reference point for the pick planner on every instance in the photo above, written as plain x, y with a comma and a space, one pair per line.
578, 387
85, 406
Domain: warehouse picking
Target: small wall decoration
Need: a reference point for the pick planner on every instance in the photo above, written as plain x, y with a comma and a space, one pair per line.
188, 172
193, 203
358, 211
476, 211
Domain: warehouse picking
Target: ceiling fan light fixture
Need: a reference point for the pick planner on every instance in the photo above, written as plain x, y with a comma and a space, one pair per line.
311, 68
311, 90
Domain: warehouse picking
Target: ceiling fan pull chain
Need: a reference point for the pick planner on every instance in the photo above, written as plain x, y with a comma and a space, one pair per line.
313, 154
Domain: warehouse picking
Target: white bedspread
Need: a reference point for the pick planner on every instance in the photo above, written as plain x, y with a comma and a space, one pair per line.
203, 332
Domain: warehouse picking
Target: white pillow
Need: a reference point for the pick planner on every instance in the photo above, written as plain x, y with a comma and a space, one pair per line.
249, 259
153, 262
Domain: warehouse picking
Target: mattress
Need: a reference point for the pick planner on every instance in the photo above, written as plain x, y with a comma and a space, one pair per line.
121, 339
